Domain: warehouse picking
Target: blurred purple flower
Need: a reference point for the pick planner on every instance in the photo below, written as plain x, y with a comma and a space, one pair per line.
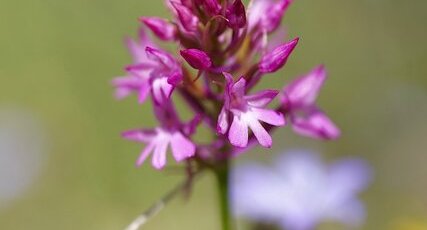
300, 191
23, 152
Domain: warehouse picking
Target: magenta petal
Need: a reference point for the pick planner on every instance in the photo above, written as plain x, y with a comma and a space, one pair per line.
269, 116
260, 133
239, 87
211, 6
187, 3
276, 59
139, 135
137, 48
303, 91
228, 79
143, 92
267, 14
238, 134
228, 88
159, 155
261, 98
188, 20
161, 56
222, 125
275, 14
316, 125
121, 93
124, 86
144, 154
160, 27
137, 51
161, 89
182, 148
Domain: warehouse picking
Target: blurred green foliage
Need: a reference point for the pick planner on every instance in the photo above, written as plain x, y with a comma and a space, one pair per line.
57, 58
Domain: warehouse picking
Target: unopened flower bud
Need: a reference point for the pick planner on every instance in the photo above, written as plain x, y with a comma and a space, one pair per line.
211, 6
188, 20
196, 58
236, 15
277, 58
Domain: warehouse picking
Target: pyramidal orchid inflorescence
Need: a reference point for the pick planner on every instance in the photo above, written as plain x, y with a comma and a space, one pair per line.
222, 50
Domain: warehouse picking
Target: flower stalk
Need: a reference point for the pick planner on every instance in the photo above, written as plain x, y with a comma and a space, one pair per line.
222, 178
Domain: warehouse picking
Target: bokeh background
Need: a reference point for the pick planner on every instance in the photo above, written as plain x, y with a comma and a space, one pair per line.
64, 166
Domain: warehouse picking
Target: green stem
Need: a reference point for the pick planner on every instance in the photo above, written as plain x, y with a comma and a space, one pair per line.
222, 174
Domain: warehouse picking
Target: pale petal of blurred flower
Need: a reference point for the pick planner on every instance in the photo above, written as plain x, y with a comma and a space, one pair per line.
22, 153
301, 191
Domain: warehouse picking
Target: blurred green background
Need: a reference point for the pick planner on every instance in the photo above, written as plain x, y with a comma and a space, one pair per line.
56, 61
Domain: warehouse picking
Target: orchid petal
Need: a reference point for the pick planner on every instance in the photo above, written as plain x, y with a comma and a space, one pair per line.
187, 19
261, 98
222, 125
139, 135
159, 155
315, 125
304, 90
144, 154
238, 134
162, 28
182, 148
269, 116
260, 133
160, 56
239, 87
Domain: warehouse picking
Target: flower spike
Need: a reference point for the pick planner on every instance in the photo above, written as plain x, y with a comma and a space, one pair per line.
218, 39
